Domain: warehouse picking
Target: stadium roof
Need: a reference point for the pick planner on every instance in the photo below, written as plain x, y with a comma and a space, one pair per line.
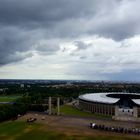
103, 98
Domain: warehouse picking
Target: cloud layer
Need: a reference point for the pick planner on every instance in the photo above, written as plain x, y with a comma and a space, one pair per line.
86, 39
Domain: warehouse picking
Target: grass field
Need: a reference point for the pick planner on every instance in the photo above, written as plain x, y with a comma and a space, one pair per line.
10, 98
70, 110
20, 130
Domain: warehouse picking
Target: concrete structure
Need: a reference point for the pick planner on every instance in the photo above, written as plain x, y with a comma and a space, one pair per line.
121, 106
58, 106
50, 105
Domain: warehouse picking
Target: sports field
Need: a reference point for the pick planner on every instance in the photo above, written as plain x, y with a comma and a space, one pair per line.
9, 98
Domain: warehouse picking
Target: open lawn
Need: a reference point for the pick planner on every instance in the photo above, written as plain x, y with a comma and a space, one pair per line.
8, 98
20, 130
70, 110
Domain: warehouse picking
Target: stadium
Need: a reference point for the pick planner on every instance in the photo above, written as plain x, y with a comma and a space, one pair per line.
121, 106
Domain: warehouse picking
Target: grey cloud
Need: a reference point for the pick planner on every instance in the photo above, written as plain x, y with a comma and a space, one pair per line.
81, 45
40, 11
83, 57
119, 21
63, 18
47, 48
15, 57
117, 32
24, 23
12, 43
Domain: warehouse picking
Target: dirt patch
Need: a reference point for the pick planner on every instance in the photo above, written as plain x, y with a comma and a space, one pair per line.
77, 126
27, 130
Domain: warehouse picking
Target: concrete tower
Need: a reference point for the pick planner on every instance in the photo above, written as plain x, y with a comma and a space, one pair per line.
50, 105
58, 106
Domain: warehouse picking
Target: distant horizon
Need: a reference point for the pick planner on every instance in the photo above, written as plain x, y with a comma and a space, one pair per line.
113, 81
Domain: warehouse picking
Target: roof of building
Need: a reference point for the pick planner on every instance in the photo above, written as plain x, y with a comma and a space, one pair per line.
103, 98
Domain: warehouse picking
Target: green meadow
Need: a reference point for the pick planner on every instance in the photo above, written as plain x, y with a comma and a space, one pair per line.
70, 110
9, 98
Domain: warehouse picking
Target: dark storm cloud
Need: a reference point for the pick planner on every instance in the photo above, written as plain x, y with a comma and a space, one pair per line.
43, 11
13, 43
25, 23
61, 15
18, 18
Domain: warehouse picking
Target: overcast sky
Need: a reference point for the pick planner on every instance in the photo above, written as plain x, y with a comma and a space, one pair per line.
70, 39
